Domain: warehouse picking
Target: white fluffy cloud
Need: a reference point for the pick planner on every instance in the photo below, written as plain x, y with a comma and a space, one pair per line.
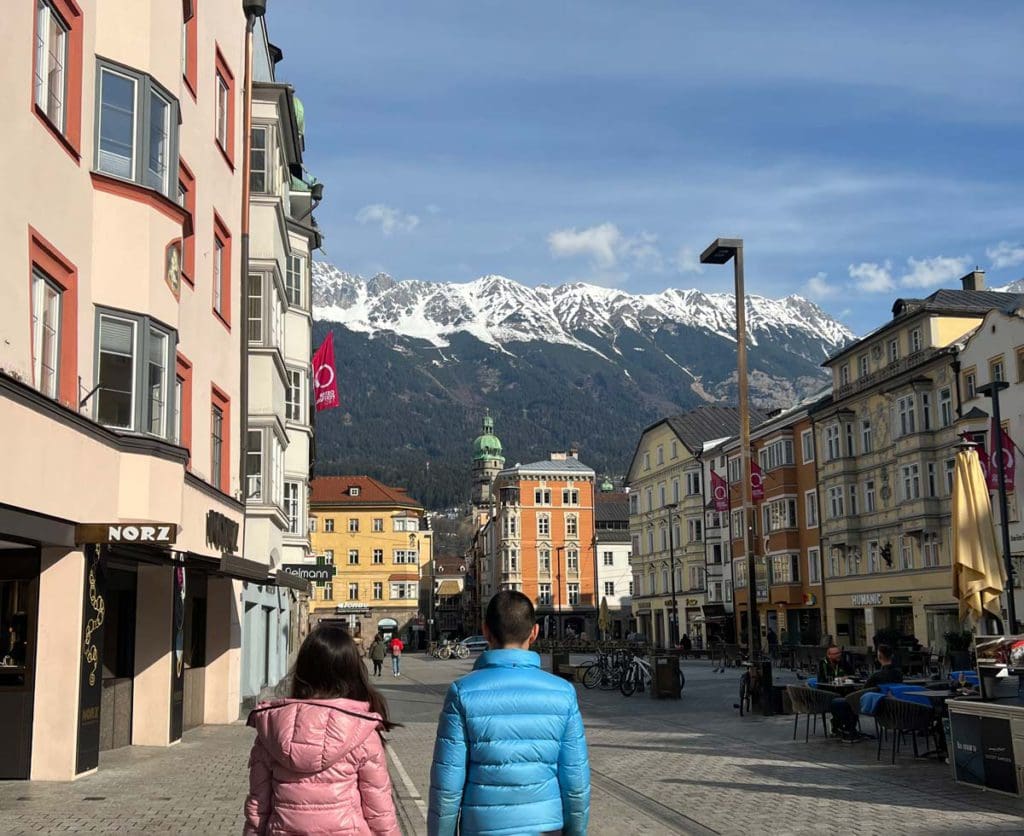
929, 272
391, 220
817, 287
1006, 254
687, 261
871, 277
600, 243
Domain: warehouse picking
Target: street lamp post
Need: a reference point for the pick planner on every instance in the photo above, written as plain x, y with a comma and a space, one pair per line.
673, 618
558, 577
992, 390
721, 251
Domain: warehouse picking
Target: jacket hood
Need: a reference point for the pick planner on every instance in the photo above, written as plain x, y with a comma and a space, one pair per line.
309, 736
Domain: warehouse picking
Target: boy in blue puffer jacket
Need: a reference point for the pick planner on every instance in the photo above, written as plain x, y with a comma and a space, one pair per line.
511, 756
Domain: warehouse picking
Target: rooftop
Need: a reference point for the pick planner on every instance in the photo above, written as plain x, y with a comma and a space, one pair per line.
570, 466
709, 422
357, 491
611, 507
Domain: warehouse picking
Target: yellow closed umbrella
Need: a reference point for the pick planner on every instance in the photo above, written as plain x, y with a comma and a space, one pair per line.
979, 576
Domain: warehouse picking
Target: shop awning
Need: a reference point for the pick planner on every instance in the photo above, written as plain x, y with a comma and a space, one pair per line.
404, 577
448, 588
246, 570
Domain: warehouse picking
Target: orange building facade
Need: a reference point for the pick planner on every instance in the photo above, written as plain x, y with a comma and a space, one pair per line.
541, 542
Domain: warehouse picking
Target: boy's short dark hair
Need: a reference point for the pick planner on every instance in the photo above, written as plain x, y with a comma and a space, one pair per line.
510, 617
885, 651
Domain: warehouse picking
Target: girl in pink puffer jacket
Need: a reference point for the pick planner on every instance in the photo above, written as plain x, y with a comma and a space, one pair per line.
318, 763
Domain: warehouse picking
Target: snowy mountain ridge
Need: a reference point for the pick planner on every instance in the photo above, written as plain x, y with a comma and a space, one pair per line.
497, 311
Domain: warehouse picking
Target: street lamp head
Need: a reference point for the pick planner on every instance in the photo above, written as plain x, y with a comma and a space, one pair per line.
721, 250
989, 389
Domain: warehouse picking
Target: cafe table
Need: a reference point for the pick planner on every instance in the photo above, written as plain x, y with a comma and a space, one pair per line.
841, 689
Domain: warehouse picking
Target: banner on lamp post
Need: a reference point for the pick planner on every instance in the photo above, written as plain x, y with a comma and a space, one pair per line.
325, 380
720, 491
1003, 458
756, 481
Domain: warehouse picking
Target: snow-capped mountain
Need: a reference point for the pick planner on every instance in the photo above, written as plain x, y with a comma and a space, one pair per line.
498, 311
418, 362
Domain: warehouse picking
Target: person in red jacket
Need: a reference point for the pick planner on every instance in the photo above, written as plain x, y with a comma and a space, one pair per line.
396, 646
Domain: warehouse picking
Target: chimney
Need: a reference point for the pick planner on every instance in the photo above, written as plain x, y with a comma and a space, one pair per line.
975, 280
558, 457
574, 452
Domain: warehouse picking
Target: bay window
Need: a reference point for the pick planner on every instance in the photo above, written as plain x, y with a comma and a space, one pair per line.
254, 465
137, 129
133, 364
295, 279
260, 177
294, 395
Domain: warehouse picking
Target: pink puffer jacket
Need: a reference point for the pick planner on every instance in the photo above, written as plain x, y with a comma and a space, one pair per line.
318, 766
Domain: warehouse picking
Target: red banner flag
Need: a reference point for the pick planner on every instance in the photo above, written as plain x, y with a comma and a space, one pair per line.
325, 381
1004, 459
720, 492
756, 481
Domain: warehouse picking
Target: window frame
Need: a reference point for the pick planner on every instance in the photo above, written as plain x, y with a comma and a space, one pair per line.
807, 446
295, 408
224, 79
293, 503
46, 298
145, 87
142, 326
220, 399
69, 133
41, 79
221, 279
295, 281
254, 453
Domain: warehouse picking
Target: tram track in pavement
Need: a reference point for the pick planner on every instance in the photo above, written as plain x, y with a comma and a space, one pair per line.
412, 808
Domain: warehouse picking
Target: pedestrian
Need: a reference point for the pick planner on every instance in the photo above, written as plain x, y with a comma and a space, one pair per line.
685, 644
510, 755
318, 762
396, 646
377, 653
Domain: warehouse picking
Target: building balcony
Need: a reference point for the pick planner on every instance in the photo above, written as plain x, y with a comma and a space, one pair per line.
844, 466
787, 592
842, 530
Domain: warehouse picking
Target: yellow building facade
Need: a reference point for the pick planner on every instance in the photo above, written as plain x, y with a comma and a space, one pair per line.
377, 540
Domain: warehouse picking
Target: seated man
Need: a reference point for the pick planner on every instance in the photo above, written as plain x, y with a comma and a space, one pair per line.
844, 720
887, 672
832, 666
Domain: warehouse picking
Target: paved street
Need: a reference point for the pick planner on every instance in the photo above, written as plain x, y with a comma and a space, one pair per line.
659, 767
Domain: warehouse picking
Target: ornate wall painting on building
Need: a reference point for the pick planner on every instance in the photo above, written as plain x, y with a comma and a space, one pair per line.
172, 267
90, 686
177, 718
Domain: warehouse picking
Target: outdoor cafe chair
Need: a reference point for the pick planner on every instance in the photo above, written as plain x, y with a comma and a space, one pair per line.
810, 702
854, 701
902, 717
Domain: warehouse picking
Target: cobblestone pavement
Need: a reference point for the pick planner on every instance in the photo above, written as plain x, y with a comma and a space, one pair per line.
659, 767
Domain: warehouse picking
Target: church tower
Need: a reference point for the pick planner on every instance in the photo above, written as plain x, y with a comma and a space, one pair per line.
487, 463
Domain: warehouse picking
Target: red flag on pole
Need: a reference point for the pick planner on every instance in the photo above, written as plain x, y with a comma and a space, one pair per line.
756, 481
325, 381
720, 492
1002, 458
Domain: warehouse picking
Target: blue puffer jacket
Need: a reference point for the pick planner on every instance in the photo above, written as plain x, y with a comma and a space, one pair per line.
510, 756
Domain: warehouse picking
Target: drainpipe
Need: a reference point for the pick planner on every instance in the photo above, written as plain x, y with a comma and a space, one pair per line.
955, 367
253, 9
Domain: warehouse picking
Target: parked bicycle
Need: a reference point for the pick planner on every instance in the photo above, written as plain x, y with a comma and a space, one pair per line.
450, 649
639, 675
607, 670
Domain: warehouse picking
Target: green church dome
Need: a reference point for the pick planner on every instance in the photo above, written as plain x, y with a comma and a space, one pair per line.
487, 445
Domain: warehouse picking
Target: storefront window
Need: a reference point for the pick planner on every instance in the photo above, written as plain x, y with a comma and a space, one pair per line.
14, 639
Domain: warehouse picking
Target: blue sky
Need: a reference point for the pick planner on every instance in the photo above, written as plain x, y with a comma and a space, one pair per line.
864, 151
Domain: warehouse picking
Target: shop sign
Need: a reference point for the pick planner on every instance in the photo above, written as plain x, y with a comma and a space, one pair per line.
309, 572
221, 532
692, 602
866, 599
983, 751
349, 606
900, 599
159, 534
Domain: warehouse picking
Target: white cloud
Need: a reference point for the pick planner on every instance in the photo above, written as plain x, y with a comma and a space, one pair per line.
817, 287
391, 220
928, 272
1005, 254
643, 251
871, 277
600, 243
687, 261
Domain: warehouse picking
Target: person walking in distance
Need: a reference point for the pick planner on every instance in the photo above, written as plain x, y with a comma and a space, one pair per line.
396, 646
510, 755
318, 762
377, 653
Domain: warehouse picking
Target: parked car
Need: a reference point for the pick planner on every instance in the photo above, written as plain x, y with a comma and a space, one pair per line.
475, 643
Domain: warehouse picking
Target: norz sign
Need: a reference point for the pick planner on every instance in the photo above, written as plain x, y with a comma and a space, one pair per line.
309, 572
221, 532
159, 534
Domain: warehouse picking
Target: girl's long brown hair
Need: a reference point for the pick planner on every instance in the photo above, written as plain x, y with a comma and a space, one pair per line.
329, 667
